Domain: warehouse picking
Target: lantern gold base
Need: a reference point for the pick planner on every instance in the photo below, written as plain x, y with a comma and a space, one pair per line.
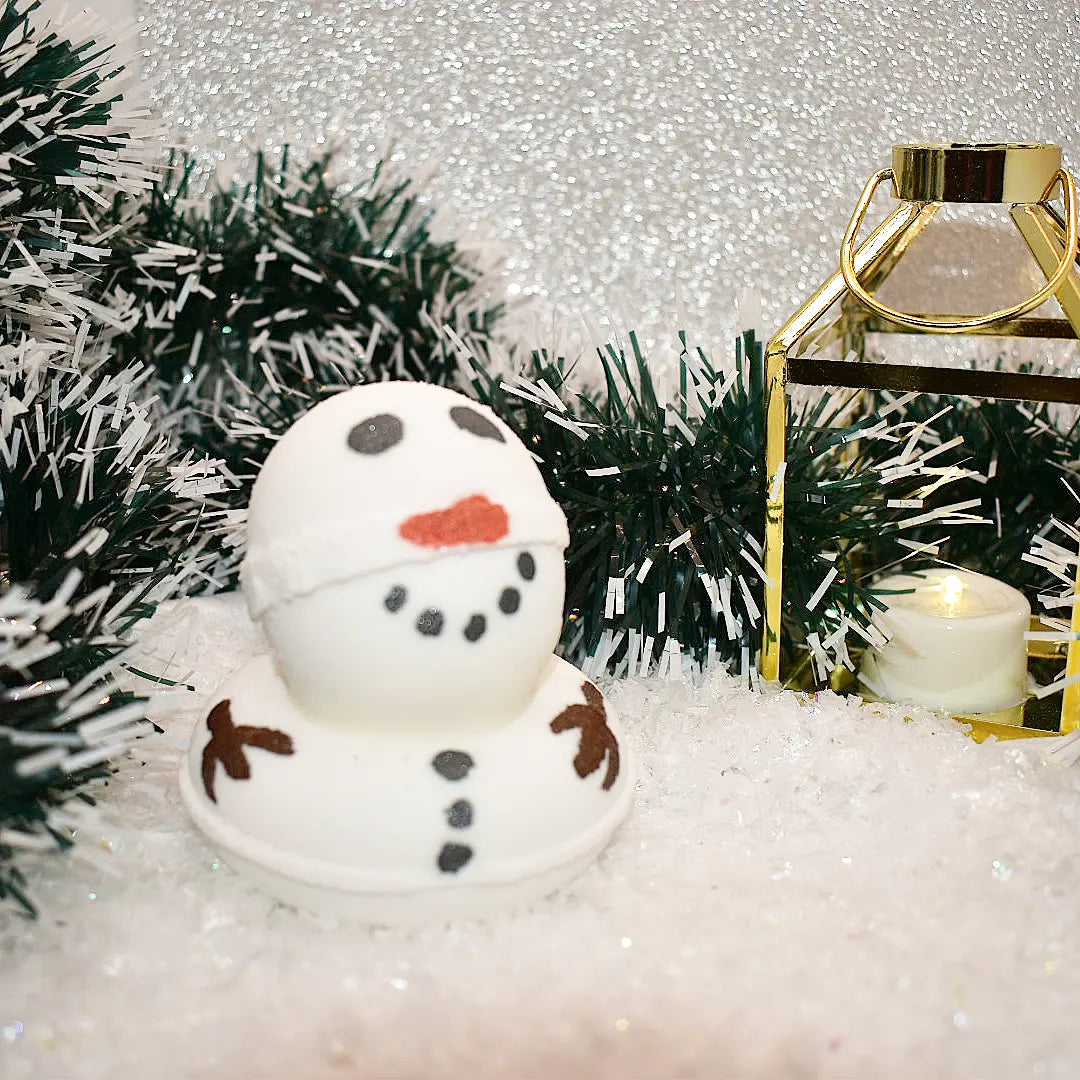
1019, 722
1023, 721
982, 727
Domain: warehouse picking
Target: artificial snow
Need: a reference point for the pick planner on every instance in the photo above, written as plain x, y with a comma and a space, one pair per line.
805, 887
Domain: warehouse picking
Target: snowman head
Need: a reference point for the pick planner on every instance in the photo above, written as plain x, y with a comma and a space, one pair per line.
405, 560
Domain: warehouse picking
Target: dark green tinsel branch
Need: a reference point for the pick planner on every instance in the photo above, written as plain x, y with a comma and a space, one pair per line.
101, 519
59, 108
266, 297
666, 506
99, 516
1019, 460
93, 464
249, 305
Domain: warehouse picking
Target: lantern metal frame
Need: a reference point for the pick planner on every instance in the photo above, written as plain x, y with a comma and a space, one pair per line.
1024, 176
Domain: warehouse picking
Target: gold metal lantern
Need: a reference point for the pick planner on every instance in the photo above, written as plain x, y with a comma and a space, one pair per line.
1024, 176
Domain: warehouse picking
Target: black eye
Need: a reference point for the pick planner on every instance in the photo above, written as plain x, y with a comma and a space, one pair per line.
376, 434
475, 424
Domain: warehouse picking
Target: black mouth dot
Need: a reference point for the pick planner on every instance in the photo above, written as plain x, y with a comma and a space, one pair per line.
395, 598
430, 622
475, 630
459, 815
509, 601
452, 764
526, 565
453, 857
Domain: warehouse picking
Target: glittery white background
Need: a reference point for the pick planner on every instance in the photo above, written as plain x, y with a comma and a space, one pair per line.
638, 159
814, 889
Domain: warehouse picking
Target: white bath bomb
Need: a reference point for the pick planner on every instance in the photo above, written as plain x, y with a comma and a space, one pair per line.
411, 750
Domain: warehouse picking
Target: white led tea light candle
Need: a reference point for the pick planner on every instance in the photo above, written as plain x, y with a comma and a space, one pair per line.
955, 641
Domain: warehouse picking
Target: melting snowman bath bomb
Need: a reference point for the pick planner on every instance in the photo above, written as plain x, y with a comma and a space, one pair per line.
411, 749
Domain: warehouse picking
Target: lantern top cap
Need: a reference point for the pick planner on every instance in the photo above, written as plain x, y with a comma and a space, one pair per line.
975, 172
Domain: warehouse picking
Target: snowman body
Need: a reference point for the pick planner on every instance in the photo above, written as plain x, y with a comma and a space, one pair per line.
416, 827
410, 749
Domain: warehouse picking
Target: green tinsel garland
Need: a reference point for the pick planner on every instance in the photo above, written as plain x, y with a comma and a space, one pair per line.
100, 522
101, 516
61, 723
666, 506
1019, 462
259, 300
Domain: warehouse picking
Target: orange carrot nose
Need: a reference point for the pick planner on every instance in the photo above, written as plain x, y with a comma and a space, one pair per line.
475, 520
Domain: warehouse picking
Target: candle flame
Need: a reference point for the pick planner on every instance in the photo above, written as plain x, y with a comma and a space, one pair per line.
952, 589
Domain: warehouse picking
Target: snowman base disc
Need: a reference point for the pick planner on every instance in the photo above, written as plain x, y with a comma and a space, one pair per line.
407, 909
407, 828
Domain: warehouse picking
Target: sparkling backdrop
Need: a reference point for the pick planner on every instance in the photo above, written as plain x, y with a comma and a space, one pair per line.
645, 161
